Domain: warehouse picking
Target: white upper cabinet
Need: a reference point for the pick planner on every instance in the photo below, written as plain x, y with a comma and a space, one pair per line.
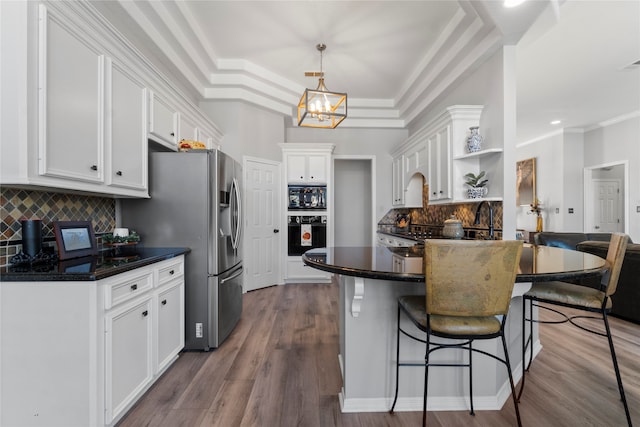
187, 129
440, 164
127, 139
398, 176
307, 168
317, 168
437, 151
87, 103
71, 113
163, 121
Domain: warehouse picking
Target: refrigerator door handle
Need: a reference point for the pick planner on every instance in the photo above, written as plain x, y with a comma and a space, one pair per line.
236, 206
226, 279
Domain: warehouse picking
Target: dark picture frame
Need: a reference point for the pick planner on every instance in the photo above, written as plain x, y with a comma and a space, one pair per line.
75, 239
526, 182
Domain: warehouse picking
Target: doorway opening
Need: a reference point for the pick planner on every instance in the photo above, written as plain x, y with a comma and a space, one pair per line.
354, 200
606, 198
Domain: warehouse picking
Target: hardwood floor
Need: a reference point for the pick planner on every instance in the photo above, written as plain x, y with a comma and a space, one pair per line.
280, 368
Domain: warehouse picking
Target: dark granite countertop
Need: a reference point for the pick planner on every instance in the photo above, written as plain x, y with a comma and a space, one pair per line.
537, 263
89, 268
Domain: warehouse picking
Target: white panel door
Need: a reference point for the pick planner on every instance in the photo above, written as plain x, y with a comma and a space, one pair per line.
263, 231
607, 206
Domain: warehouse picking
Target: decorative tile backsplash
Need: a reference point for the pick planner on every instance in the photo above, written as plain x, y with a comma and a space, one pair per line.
17, 204
436, 215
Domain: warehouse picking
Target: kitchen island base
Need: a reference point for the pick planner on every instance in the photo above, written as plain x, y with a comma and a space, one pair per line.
368, 316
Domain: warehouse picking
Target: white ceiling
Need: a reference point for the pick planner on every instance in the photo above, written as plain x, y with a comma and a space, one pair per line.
394, 58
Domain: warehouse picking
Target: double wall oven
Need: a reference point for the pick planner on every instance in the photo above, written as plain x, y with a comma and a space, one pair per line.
307, 226
306, 232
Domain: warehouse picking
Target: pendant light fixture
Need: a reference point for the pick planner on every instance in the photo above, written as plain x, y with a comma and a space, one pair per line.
320, 108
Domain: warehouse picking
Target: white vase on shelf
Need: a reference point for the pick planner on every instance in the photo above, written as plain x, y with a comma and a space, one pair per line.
474, 140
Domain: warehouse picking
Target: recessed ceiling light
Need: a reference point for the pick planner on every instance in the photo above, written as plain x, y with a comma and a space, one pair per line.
556, 122
513, 3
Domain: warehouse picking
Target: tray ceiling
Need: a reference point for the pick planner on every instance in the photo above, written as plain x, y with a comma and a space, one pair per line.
393, 58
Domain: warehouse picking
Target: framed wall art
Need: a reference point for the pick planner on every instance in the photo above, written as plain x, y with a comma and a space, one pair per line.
526, 182
75, 239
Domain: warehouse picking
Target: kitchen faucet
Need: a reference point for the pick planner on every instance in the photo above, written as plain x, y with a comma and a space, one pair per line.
477, 221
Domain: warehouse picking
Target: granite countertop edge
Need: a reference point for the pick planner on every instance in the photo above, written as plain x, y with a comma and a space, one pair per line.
152, 256
366, 274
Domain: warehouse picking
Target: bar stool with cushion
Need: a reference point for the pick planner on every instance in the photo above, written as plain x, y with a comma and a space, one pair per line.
583, 298
468, 291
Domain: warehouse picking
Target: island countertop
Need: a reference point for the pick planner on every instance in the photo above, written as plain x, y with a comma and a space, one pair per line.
88, 268
537, 263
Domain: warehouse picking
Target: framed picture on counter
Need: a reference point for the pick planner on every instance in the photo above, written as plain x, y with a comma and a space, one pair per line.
75, 239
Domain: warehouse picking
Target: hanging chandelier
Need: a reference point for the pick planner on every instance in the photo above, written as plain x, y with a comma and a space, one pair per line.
320, 108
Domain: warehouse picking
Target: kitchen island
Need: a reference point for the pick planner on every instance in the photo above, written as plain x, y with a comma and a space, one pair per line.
372, 278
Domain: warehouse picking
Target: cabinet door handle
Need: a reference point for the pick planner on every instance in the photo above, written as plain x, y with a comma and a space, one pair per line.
94, 167
164, 302
134, 286
171, 272
145, 313
172, 134
119, 173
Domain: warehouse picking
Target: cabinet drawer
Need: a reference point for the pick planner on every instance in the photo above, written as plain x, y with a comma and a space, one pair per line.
169, 270
128, 288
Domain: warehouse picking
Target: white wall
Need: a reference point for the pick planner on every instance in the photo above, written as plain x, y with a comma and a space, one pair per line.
247, 130
352, 197
560, 162
614, 143
548, 155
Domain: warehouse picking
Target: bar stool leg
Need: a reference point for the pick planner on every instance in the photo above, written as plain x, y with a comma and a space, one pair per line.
426, 381
471, 376
614, 359
395, 399
513, 387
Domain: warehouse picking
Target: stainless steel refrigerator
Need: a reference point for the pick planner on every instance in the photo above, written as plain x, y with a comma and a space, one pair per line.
196, 203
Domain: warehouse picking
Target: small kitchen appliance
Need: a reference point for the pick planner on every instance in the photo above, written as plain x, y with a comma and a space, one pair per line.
307, 197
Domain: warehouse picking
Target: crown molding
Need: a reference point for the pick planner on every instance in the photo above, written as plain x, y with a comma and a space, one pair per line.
466, 39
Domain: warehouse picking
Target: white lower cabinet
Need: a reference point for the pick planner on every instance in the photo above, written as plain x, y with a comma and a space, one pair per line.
170, 329
128, 361
75, 353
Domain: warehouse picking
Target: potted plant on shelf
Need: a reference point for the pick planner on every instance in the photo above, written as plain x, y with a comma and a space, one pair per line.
477, 185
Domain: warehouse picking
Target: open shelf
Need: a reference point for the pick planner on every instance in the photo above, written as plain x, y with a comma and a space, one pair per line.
480, 153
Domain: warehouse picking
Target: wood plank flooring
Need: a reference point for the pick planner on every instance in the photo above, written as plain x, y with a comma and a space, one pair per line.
280, 368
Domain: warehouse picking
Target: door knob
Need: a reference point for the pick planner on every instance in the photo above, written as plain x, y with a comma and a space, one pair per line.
275, 230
